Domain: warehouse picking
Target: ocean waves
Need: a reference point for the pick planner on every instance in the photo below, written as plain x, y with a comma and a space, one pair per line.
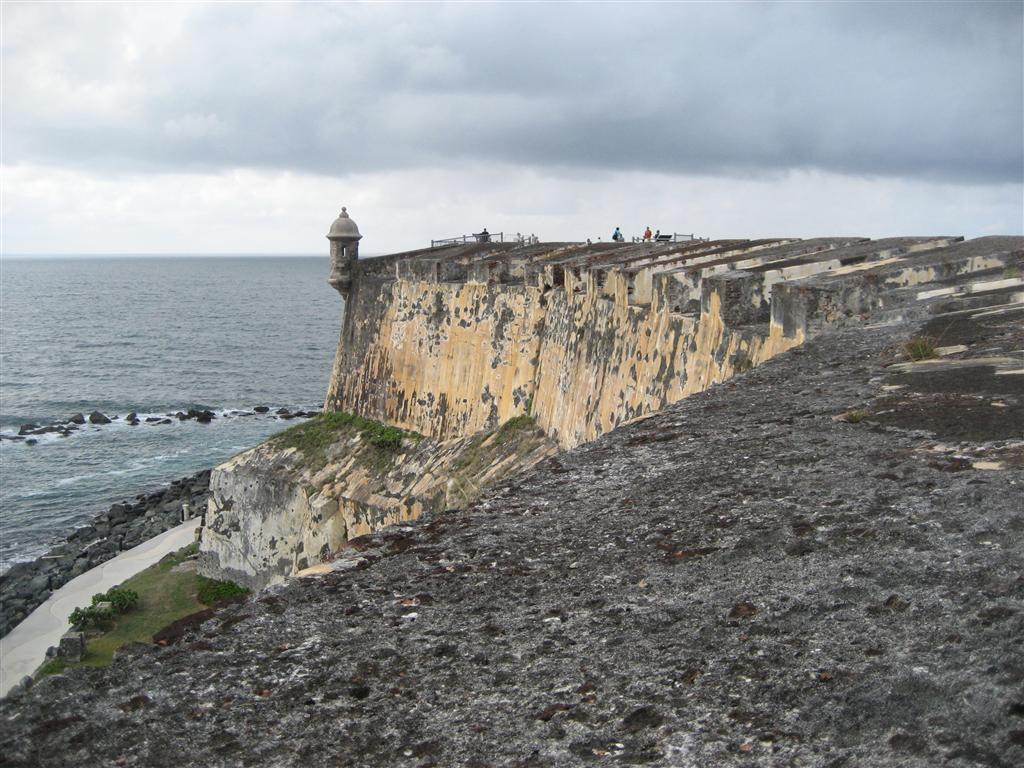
155, 337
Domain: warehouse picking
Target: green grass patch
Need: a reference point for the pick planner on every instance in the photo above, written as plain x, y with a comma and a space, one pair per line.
515, 424
52, 667
920, 348
164, 596
313, 438
210, 591
516, 437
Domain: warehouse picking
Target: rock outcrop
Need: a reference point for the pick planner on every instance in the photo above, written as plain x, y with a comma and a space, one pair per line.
275, 510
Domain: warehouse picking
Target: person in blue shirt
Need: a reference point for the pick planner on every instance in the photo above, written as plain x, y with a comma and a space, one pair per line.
617, 236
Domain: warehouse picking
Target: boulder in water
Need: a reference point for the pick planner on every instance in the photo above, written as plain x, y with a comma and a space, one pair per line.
98, 418
27, 428
78, 418
261, 409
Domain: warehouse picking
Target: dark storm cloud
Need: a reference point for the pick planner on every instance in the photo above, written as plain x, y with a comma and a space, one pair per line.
910, 90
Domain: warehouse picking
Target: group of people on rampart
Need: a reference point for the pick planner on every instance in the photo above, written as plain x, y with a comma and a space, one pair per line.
647, 236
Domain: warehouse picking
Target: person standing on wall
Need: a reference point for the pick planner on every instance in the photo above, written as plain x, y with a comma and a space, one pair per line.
647, 235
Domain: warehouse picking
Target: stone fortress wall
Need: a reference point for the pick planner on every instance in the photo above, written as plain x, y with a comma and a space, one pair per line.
454, 340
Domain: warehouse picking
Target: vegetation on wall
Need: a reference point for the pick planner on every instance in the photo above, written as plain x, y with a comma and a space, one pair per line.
313, 438
920, 348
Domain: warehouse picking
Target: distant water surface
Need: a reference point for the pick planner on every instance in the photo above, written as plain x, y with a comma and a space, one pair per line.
151, 335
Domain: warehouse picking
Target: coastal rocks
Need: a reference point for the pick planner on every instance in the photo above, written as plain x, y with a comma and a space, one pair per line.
125, 525
202, 416
30, 431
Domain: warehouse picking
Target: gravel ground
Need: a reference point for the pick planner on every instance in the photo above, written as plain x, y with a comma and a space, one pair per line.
738, 580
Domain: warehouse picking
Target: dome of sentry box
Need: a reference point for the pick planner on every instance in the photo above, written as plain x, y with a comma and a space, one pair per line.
344, 228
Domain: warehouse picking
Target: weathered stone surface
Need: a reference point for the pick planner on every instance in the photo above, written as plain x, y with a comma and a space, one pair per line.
72, 646
271, 514
585, 612
590, 337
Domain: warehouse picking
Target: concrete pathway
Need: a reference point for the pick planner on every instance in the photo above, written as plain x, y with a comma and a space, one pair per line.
23, 649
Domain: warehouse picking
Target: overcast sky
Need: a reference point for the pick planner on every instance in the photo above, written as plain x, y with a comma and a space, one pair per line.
185, 128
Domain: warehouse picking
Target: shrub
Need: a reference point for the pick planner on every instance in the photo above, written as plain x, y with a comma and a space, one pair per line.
920, 348
91, 616
853, 417
388, 438
120, 599
212, 591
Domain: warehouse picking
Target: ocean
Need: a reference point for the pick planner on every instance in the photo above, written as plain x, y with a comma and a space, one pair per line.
153, 335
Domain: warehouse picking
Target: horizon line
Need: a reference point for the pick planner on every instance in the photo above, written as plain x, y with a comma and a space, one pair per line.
157, 254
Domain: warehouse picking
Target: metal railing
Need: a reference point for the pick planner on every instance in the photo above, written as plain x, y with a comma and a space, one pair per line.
476, 237
487, 237
675, 237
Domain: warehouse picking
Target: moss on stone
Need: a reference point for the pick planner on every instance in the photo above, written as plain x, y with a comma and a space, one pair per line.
515, 424
313, 438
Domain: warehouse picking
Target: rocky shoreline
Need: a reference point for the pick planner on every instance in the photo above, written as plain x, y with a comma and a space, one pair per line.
127, 524
30, 432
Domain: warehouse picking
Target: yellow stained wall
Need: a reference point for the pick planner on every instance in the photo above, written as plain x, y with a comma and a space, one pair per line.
450, 359
443, 359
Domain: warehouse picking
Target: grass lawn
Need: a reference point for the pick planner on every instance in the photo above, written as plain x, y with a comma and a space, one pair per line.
164, 597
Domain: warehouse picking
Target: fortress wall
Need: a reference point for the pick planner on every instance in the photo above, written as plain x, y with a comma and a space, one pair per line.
584, 343
567, 337
449, 359
442, 359
603, 362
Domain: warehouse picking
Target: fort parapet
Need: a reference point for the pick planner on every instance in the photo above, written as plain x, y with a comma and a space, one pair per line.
455, 342
452, 340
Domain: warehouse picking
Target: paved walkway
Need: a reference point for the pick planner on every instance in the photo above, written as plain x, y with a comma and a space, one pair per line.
23, 649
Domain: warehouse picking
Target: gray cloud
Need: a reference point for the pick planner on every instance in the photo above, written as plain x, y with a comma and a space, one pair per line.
926, 91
